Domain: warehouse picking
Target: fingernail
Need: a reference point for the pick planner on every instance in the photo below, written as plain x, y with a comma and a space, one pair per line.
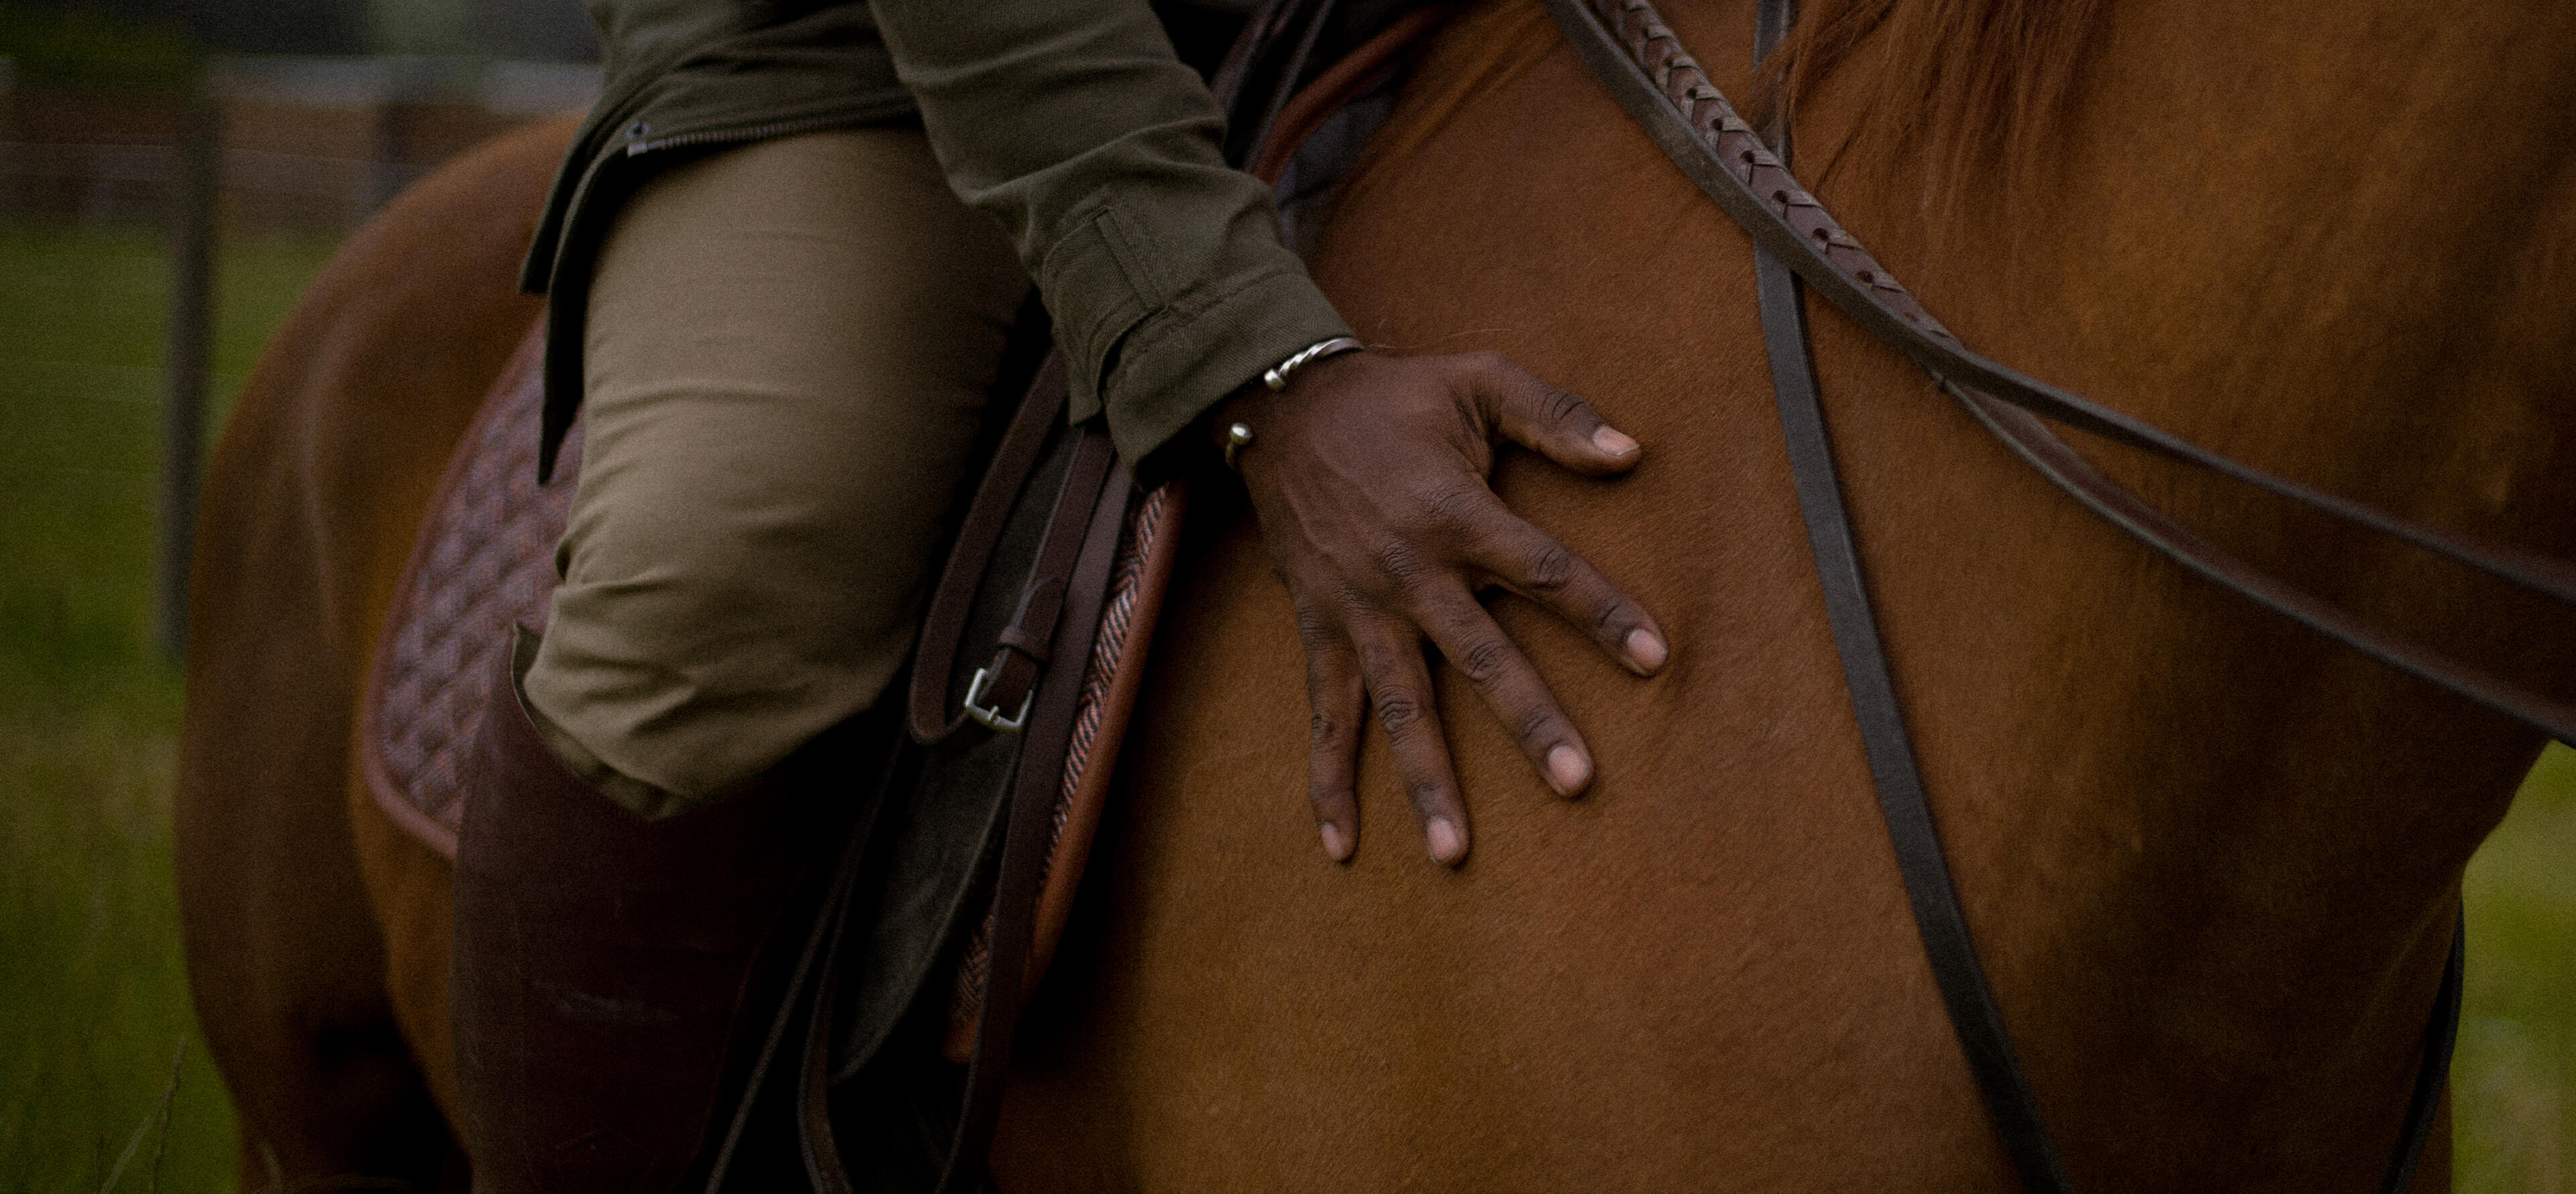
1446, 842
1336, 847
1646, 649
1609, 439
1567, 769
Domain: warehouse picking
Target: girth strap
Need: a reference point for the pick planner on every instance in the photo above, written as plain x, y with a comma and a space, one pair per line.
1884, 308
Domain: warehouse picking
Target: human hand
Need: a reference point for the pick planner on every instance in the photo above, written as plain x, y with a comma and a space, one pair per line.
1369, 476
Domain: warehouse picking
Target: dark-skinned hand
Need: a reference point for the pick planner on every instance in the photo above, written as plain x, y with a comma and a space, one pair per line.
1369, 474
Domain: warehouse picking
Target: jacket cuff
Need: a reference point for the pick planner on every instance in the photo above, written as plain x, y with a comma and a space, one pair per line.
1183, 360
1155, 360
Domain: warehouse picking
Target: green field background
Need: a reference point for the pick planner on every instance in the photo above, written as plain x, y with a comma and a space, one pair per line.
93, 1005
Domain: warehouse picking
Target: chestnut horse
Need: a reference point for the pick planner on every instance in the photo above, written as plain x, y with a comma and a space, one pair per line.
2210, 860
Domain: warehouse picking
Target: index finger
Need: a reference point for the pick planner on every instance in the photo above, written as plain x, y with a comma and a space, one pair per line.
1557, 424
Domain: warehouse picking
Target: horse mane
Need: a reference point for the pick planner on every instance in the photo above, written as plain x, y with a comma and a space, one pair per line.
1975, 86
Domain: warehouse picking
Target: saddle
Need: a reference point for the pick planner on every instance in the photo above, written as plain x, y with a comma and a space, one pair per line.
958, 881
484, 561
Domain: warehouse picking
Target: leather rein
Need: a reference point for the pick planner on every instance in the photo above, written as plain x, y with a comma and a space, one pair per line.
1796, 241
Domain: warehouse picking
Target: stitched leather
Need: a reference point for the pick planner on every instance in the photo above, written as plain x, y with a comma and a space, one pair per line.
1843, 270
1965, 993
1115, 676
1111, 678
482, 562
1026, 848
1643, 63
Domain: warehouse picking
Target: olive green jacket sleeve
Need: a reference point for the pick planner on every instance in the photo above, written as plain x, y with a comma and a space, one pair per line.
1073, 122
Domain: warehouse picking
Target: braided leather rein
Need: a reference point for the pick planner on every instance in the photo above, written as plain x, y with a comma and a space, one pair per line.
1638, 56
1644, 64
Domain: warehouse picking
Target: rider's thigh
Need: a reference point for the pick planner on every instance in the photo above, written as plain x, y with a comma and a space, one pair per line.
788, 349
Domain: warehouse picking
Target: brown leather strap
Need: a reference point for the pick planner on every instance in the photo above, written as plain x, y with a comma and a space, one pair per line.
1933, 897
1965, 991
943, 626
1643, 63
1003, 689
1116, 676
1024, 847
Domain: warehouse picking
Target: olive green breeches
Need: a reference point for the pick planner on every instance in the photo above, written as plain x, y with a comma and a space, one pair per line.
789, 347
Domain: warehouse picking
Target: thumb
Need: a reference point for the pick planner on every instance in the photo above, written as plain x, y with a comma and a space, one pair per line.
1549, 421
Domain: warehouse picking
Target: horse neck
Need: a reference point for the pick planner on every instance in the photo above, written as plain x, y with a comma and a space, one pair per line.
2332, 245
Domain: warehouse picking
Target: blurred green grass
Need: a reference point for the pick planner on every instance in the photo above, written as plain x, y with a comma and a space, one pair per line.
2513, 1086
93, 1002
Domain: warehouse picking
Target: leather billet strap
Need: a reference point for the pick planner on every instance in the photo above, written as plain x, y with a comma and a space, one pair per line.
1929, 889
1002, 691
1643, 63
1013, 923
952, 603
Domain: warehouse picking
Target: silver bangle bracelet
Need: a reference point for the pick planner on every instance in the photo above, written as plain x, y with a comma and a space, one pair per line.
1238, 436
1277, 377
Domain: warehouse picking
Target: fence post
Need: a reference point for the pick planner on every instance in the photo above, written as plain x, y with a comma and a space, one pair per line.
190, 344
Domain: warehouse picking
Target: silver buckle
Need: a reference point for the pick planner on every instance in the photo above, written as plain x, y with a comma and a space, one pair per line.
991, 715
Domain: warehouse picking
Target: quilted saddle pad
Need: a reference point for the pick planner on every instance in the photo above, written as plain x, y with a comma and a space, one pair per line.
484, 559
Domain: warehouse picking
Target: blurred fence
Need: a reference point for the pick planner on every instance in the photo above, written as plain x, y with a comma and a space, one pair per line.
302, 144
257, 146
